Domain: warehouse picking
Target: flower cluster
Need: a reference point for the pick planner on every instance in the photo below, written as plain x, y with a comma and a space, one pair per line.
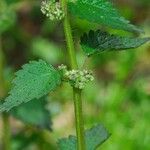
62, 67
52, 10
79, 78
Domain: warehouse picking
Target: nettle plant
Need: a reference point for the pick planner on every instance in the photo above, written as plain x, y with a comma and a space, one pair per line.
38, 78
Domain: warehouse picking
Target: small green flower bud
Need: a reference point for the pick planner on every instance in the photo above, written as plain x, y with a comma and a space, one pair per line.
62, 67
79, 78
52, 10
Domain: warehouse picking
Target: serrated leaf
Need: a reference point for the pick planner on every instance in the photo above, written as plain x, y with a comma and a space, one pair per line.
39, 115
101, 12
94, 137
7, 19
35, 80
99, 41
68, 143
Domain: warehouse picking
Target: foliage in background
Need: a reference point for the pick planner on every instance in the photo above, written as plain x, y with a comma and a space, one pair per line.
120, 98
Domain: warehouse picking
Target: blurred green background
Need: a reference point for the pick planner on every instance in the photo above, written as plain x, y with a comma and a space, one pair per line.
119, 97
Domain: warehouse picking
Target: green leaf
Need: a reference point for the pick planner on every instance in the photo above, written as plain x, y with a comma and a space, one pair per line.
99, 41
68, 143
101, 12
35, 80
94, 137
39, 115
7, 19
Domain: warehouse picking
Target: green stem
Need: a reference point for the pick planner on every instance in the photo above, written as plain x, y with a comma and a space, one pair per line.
5, 116
69, 38
2, 81
6, 132
76, 92
79, 119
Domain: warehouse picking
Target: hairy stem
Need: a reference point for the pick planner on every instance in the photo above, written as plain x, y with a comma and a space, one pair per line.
5, 116
79, 119
69, 38
76, 92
